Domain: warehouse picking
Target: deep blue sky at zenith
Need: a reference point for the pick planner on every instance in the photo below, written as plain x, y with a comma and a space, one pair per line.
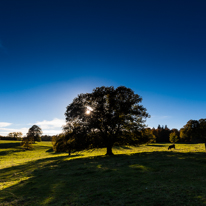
52, 50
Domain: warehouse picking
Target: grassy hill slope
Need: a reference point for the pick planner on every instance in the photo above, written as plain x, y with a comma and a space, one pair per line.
145, 175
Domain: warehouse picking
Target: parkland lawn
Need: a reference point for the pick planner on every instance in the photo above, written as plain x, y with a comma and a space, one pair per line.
144, 175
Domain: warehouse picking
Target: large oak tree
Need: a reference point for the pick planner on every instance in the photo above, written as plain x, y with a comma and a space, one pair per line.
108, 112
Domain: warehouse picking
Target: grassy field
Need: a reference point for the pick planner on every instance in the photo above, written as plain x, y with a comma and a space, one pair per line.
144, 175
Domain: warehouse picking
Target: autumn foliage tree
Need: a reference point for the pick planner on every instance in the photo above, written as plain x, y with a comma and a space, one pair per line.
173, 137
147, 136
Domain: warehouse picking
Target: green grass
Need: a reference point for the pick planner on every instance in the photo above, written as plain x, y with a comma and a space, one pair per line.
145, 175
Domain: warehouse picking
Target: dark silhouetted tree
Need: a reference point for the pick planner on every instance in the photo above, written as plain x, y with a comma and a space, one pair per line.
161, 133
190, 132
35, 132
202, 130
107, 112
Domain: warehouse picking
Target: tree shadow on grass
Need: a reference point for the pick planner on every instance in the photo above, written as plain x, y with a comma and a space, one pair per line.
153, 145
43, 147
9, 145
8, 152
122, 147
9, 148
50, 150
76, 154
150, 178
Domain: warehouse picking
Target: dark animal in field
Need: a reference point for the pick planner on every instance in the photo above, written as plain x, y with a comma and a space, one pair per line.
171, 146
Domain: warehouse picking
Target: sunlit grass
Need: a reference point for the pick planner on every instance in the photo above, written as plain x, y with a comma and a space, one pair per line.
16, 155
144, 175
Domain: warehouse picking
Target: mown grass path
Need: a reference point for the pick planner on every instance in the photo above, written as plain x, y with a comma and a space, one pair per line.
145, 175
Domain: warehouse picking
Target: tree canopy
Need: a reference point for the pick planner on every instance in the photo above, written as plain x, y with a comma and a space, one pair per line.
35, 132
107, 112
173, 137
15, 134
194, 131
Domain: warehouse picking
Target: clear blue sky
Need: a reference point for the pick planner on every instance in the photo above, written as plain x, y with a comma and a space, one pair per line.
52, 50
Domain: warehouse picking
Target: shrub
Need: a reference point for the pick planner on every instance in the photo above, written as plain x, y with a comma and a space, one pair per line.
27, 142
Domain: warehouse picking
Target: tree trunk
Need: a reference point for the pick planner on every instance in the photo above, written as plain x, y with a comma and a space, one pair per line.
109, 143
109, 150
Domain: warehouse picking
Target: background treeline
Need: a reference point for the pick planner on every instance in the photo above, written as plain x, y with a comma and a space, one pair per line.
193, 132
43, 138
8, 138
162, 133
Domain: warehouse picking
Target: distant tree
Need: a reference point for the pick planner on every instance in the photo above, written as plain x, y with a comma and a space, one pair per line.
46, 138
11, 135
108, 112
35, 132
19, 134
161, 133
176, 131
165, 133
148, 136
190, 132
184, 137
16, 135
173, 137
202, 130
194, 131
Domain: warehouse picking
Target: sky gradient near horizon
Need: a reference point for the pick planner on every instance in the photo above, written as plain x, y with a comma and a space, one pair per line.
51, 51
